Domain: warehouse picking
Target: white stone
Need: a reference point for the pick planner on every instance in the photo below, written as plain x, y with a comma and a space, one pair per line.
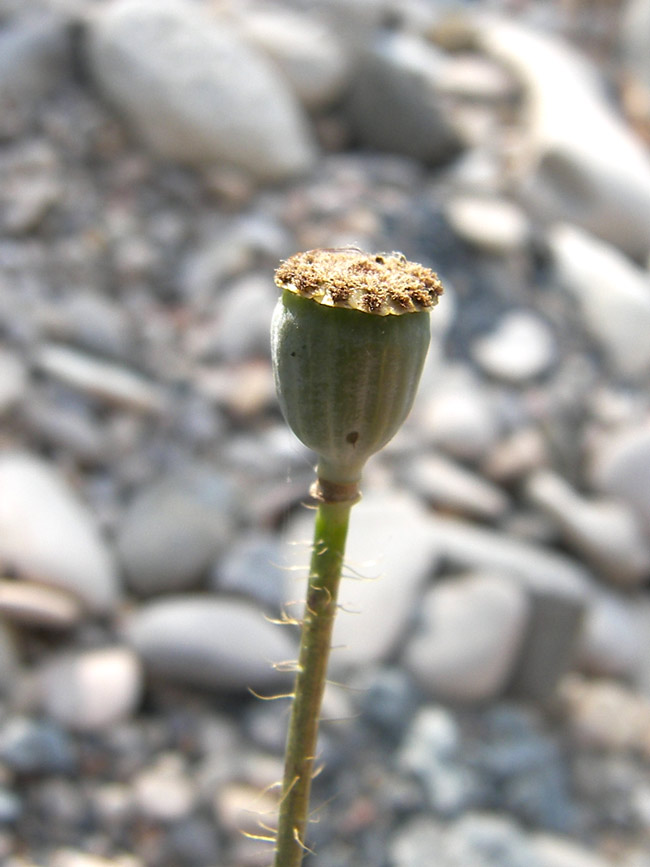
495, 225
558, 852
211, 642
581, 162
521, 347
91, 690
164, 792
39, 605
194, 91
469, 634
606, 532
389, 555
48, 535
613, 295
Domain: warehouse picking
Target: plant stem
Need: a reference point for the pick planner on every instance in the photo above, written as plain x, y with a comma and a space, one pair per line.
320, 610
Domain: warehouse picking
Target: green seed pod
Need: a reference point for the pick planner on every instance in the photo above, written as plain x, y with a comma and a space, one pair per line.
349, 337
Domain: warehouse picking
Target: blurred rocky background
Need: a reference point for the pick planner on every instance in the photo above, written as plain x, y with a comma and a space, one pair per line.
490, 704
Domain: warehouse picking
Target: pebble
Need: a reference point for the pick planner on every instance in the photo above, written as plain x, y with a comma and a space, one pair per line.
612, 293
389, 555
91, 690
77, 858
588, 167
451, 487
194, 91
621, 468
431, 752
106, 382
394, 105
250, 567
48, 535
305, 49
173, 529
520, 348
556, 852
33, 58
612, 642
469, 633
214, 643
31, 186
607, 715
605, 532
29, 746
33, 604
459, 416
164, 792
495, 225
13, 379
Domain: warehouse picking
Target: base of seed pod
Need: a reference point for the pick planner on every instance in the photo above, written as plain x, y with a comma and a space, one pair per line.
330, 492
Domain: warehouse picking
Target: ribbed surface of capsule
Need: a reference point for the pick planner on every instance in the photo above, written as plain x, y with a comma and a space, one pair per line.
346, 379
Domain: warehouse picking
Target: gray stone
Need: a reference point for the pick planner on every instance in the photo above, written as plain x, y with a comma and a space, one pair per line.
484, 840
614, 640
431, 751
305, 49
621, 468
174, 528
210, 642
587, 166
194, 91
470, 632
394, 105
91, 690
13, 379
31, 186
31, 747
47, 535
452, 487
250, 567
635, 46
459, 415
389, 555
107, 382
613, 295
33, 58
605, 532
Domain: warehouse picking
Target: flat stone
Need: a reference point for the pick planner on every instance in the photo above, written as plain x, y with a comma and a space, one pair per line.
39, 605
468, 637
211, 642
520, 348
452, 487
13, 379
558, 852
606, 532
194, 91
102, 380
91, 690
389, 555
47, 534
495, 225
613, 295
394, 105
305, 49
174, 528
621, 468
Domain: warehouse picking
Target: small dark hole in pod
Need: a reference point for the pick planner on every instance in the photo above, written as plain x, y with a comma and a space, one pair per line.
352, 437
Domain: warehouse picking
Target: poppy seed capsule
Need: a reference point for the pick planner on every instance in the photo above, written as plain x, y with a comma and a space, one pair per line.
349, 338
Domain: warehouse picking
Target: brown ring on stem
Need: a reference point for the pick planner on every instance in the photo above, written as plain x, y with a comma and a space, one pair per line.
332, 492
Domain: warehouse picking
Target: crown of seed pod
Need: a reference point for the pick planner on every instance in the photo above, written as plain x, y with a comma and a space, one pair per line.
349, 337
